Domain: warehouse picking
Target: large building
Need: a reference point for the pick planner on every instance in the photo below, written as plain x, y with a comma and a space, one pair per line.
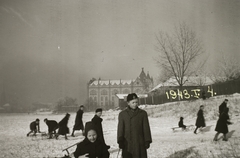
102, 93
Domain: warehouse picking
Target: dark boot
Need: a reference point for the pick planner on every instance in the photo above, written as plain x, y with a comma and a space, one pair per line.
56, 136
29, 133
225, 137
216, 137
73, 133
195, 131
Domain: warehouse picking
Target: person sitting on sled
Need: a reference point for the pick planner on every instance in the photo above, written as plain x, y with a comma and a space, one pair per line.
180, 123
91, 146
34, 127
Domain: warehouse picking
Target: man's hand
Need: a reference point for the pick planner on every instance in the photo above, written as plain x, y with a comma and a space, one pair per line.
147, 145
121, 145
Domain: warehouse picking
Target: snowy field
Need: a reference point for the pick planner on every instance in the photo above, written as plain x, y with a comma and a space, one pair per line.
166, 143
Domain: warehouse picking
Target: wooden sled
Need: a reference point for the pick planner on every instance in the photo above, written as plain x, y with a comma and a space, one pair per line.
66, 149
189, 127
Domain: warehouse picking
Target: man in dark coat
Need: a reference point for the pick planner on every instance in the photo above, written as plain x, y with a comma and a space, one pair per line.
63, 128
34, 127
222, 125
91, 146
78, 121
200, 122
52, 127
223, 106
133, 133
97, 120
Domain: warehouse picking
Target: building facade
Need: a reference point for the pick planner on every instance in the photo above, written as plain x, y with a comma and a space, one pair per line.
102, 93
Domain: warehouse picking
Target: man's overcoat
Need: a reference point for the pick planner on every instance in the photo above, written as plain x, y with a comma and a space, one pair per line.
98, 124
134, 132
78, 121
200, 122
222, 123
52, 125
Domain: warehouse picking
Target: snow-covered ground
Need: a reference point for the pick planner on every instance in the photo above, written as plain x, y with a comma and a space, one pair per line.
166, 143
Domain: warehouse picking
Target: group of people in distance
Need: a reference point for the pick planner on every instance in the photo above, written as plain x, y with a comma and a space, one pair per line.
222, 123
52, 127
62, 125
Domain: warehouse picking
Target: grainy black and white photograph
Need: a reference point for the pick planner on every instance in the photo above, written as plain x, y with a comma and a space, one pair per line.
119, 78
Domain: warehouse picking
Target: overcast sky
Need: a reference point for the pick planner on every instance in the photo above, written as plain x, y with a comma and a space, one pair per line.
51, 48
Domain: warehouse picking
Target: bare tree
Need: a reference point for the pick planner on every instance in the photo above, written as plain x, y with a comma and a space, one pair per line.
178, 53
226, 69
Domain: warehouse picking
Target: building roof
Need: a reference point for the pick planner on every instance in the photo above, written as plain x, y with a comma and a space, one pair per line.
192, 81
142, 77
111, 82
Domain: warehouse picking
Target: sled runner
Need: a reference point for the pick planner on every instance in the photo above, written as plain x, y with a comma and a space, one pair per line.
189, 127
69, 155
66, 149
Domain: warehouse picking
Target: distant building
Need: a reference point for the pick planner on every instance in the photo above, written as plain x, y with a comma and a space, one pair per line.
102, 93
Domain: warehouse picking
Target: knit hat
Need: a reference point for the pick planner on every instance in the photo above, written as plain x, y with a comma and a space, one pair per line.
131, 96
89, 126
98, 110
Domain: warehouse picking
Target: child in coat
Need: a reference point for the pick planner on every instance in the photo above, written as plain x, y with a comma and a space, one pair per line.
97, 120
52, 127
34, 127
180, 123
200, 122
91, 146
78, 121
222, 125
63, 126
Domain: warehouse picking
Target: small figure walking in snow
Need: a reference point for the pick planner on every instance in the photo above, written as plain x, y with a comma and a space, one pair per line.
222, 125
78, 121
200, 122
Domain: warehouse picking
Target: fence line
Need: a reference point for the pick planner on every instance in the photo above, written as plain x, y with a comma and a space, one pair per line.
172, 94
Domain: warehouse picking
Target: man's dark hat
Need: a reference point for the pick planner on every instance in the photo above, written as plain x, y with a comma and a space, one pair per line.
98, 110
37, 119
81, 106
131, 96
226, 100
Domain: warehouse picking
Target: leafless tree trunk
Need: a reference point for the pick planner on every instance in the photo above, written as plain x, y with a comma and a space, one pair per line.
178, 53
